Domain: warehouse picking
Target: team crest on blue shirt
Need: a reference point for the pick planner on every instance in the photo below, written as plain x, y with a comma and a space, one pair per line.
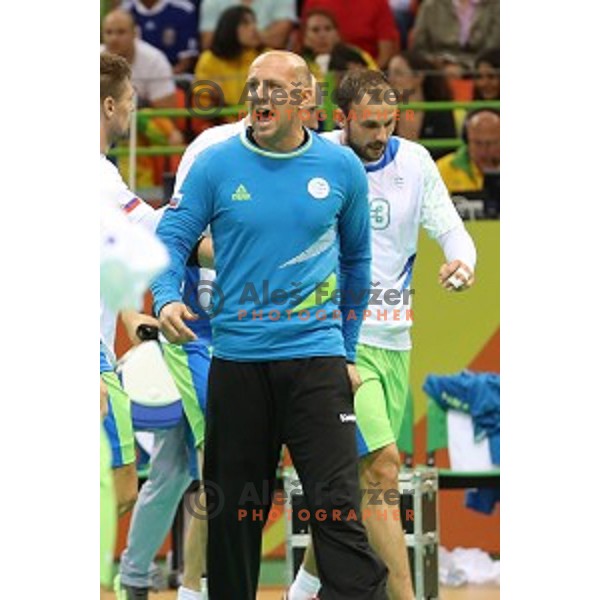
318, 188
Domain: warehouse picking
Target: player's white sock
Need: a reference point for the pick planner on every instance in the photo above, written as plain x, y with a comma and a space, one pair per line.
305, 586
184, 593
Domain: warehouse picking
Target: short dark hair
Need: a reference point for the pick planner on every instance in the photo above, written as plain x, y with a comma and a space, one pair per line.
356, 84
321, 12
342, 56
114, 71
226, 43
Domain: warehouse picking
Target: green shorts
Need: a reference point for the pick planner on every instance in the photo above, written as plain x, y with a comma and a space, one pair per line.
380, 402
108, 513
117, 423
189, 365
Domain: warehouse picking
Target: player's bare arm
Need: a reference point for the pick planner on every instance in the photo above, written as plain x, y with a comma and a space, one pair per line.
206, 255
354, 377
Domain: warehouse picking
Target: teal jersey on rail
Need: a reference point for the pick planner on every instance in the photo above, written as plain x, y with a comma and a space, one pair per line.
291, 237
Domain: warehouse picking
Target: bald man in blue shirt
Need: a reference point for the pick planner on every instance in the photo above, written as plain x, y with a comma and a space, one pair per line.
288, 214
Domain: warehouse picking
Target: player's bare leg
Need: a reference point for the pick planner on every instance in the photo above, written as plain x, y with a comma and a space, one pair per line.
126, 487
381, 468
194, 552
306, 584
310, 560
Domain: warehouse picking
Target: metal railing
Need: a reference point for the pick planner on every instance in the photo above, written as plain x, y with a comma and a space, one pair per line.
329, 108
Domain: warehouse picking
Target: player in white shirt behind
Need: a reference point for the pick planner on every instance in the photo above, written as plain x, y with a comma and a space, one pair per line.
161, 494
116, 107
405, 191
129, 257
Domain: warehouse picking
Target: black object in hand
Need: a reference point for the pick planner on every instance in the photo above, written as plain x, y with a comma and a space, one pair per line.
147, 332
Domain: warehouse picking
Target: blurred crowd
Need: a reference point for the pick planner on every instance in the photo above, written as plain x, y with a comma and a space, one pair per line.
431, 50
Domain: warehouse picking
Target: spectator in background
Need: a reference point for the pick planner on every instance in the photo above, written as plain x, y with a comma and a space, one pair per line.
417, 79
235, 45
456, 74
404, 14
368, 24
169, 26
463, 28
321, 42
487, 75
275, 19
348, 58
152, 78
152, 75
463, 170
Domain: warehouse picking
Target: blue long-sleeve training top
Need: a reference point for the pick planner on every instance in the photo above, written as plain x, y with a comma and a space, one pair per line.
286, 229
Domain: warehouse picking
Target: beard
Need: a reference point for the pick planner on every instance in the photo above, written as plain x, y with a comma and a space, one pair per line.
119, 133
366, 152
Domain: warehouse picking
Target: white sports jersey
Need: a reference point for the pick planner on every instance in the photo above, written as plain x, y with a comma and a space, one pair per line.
115, 193
130, 257
405, 191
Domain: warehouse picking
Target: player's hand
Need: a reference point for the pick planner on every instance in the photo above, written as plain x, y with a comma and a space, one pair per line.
354, 377
103, 399
456, 276
132, 320
171, 322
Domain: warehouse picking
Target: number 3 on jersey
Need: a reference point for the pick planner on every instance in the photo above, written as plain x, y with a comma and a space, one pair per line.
380, 213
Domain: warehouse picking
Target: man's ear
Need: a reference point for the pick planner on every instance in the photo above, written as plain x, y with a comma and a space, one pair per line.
340, 118
307, 98
108, 106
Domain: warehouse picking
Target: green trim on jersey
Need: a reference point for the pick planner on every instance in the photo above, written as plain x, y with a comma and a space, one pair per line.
325, 290
279, 155
177, 362
121, 408
108, 513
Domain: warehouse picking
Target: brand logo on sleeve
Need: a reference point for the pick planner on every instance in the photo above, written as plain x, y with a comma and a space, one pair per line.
175, 201
131, 205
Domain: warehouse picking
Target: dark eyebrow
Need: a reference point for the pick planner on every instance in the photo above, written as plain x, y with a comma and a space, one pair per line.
268, 82
275, 83
372, 123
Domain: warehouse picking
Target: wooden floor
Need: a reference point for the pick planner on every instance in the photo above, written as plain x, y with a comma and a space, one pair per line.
465, 593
